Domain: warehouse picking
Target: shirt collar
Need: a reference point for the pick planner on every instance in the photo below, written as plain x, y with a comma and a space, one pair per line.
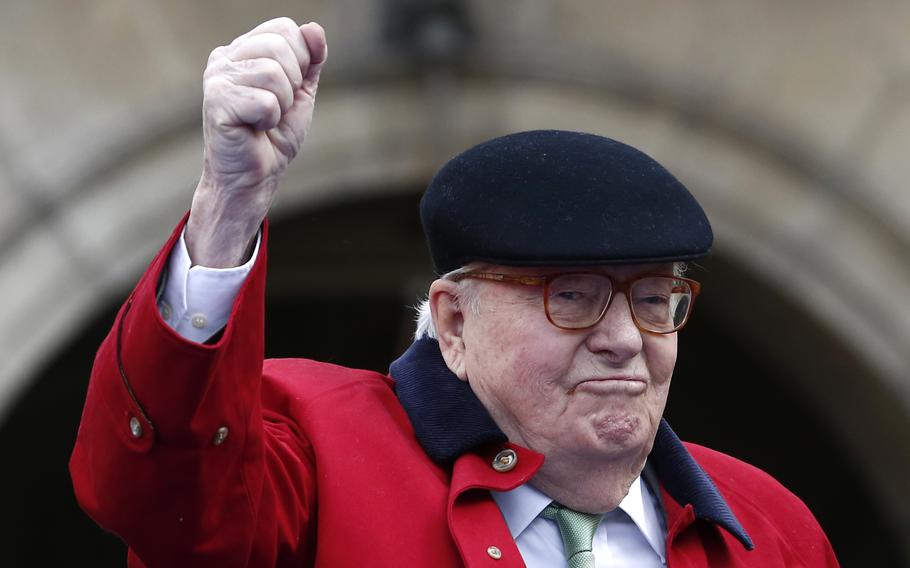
643, 508
521, 506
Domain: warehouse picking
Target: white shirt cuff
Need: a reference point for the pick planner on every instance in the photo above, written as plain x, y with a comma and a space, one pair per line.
196, 301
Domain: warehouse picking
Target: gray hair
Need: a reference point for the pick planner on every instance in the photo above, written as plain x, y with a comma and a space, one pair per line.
466, 296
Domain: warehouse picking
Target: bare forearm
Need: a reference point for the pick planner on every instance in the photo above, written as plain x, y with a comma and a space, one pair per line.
222, 228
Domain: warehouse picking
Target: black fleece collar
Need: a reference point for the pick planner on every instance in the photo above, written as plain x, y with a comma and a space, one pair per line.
447, 416
449, 420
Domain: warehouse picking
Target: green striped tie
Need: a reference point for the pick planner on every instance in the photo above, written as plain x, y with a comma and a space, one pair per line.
577, 530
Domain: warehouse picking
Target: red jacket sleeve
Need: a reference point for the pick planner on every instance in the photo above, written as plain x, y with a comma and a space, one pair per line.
175, 453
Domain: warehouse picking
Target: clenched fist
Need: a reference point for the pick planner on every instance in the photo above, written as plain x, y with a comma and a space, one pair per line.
259, 95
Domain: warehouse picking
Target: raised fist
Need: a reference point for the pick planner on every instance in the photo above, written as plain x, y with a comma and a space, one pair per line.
259, 95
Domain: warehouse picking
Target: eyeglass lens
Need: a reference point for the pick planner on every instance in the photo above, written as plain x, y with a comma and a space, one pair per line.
659, 303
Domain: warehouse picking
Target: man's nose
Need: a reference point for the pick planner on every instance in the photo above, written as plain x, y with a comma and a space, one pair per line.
616, 335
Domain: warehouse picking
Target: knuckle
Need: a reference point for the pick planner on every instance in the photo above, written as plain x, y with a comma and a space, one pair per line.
214, 68
246, 70
217, 54
263, 71
250, 105
285, 24
272, 72
274, 42
265, 99
244, 65
215, 87
269, 110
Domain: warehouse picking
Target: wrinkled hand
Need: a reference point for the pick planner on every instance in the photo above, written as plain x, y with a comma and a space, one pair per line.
259, 96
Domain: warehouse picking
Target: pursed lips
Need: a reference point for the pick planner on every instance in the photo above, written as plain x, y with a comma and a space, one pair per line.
605, 382
614, 378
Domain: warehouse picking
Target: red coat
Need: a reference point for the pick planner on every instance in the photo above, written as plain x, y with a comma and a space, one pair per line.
323, 466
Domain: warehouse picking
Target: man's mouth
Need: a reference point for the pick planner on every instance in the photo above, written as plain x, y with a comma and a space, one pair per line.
627, 384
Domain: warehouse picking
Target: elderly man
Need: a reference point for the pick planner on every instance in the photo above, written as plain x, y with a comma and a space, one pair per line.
522, 428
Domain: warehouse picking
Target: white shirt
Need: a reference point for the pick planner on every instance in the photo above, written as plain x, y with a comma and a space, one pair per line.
196, 302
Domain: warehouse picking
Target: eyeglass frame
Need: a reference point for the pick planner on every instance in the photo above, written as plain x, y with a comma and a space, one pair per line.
623, 286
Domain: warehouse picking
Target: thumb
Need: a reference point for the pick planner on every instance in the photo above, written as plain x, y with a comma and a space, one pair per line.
314, 36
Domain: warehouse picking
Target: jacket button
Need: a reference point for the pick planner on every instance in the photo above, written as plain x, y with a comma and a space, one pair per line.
505, 460
494, 553
135, 427
220, 436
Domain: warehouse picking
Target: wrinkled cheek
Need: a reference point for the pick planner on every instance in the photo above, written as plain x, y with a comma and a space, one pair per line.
540, 382
661, 359
661, 378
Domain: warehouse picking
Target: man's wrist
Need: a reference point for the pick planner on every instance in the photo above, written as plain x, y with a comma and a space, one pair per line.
223, 224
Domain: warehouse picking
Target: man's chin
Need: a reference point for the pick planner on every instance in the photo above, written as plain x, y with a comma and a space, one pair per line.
626, 435
618, 428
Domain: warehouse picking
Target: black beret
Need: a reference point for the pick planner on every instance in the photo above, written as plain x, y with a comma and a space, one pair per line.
557, 198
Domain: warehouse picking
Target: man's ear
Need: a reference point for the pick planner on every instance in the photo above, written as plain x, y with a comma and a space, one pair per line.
449, 322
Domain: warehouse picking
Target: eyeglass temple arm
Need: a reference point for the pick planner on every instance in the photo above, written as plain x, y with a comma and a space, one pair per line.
526, 280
